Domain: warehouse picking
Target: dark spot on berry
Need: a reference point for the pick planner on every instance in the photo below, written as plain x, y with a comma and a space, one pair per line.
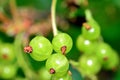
114, 69
63, 49
28, 49
105, 58
5, 56
52, 71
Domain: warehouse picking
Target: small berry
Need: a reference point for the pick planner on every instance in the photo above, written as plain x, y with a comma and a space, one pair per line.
62, 43
91, 30
40, 49
89, 65
57, 64
7, 53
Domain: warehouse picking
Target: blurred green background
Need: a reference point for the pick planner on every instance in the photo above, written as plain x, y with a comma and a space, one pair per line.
105, 12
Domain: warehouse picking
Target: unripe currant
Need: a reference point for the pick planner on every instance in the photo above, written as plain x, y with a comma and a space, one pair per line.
103, 52
67, 76
39, 48
85, 45
89, 64
90, 30
8, 71
57, 64
7, 53
62, 43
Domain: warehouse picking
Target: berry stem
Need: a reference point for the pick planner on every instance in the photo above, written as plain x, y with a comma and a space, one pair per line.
53, 18
92, 77
74, 63
22, 63
88, 15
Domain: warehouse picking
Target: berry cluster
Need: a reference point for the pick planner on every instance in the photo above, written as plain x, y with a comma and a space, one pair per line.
45, 60
96, 53
8, 67
40, 49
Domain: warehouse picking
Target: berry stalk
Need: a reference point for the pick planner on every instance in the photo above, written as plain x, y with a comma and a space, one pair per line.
53, 18
22, 63
88, 15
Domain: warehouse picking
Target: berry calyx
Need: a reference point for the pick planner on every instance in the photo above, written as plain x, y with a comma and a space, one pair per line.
52, 71
105, 58
63, 49
28, 49
5, 56
87, 26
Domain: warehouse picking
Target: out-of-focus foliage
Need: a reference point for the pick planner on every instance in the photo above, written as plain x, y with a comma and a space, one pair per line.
105, 12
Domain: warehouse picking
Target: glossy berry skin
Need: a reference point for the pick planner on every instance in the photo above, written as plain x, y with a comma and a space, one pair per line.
8, 71
92, 33
7, 52
103, 52
89, 65
85, 45
60, 40
64, 77
41, 48
59, 63
44, 74
113, 62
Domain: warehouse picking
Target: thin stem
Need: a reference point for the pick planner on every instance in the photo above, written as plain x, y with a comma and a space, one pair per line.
92, 77
22, 63
74, 63
88, 15
53, 7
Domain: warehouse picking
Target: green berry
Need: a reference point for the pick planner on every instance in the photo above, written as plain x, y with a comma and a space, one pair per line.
57, 64
62, 43
41, 48
65, 77
7, 53
44, 74
20, 78
103, 52
112, 62
91, 30
8, 71
85, 45
89, 65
